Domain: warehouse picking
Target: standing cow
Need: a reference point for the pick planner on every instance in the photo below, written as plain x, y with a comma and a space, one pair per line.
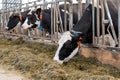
46, 17
69, 42
16, 19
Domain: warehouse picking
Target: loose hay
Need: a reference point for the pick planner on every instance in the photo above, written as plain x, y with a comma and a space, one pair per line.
36, 62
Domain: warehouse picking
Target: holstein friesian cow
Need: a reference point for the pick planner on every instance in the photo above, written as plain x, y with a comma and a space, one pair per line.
16, 19
69, 42
32, 19
46, 17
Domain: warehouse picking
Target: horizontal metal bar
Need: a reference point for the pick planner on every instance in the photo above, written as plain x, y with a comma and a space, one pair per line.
106, 21
46, 3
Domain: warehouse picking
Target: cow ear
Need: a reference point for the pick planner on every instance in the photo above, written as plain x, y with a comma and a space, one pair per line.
38, 11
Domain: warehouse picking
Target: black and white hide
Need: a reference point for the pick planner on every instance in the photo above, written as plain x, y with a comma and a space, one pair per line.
68, 43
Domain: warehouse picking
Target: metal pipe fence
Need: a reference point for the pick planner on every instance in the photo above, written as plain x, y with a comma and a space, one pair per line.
103, 5
55, 13
56, 17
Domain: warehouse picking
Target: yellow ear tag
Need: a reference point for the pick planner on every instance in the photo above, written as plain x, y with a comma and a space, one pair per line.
40, 17
20, 17
78, 43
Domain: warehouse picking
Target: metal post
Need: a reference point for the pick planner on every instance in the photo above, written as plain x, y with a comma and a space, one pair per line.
103, 25
93, 22
60, 19
0, 22
52, 19
44, 3
5, 17
79, 9
119, 23
98, 22
56, 22
71, 14
65, 17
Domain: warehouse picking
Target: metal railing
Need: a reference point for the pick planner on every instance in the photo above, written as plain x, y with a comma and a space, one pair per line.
55, 15
103, 5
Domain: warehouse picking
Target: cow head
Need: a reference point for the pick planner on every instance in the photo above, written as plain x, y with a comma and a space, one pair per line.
14, 20
32, 19
69, 44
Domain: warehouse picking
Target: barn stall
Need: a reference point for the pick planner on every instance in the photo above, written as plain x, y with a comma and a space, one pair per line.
33, 55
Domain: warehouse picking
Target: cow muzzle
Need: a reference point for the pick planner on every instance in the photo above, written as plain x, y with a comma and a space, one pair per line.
25, 26
6, 28
59, 61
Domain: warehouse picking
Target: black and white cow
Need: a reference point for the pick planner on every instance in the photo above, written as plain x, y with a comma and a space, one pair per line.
32, 19
16, 19
69, 42
46, 17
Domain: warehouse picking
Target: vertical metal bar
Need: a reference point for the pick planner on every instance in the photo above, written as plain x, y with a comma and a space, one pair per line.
70, 15
79, 9
21, 30
98, 22
103, 25
119, 23
65, 17
61, 23
5, 20
93, 22
54, 18
51, 19
57, 12
44, 4
43, 33
0, 22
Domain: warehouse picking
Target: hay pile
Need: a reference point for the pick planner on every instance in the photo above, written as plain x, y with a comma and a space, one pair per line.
35, 61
